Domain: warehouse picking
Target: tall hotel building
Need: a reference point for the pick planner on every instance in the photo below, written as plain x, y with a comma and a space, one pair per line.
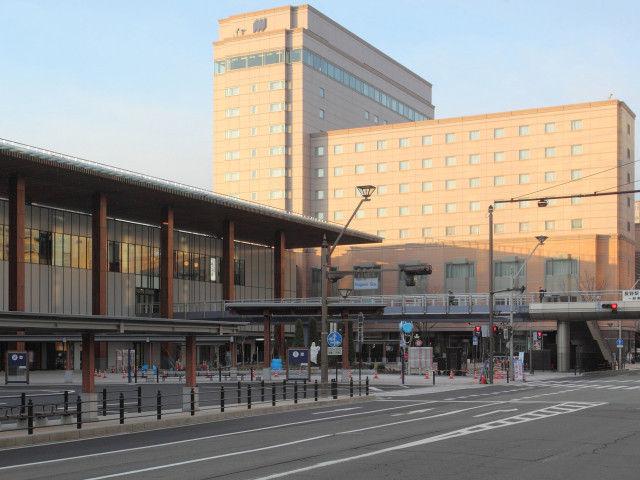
304, 111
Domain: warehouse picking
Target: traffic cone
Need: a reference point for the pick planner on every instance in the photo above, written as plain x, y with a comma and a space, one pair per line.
124, 373
450, 374
253, 374
105, 374
95, 373
349, 373
524, 378
208, 373
375, 373
426, 375
475, 374
276, 375
501, 374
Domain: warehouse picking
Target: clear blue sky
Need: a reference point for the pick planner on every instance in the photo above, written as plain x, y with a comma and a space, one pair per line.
129, 83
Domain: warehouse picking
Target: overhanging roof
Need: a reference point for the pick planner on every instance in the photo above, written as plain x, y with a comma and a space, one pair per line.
66, 182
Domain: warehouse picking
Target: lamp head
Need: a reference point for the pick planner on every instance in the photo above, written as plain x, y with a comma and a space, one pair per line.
543, 202
541, 239
366, 191
344, 292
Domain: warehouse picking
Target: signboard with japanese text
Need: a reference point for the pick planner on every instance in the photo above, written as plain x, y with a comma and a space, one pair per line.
630, 295
16, 367
298, 367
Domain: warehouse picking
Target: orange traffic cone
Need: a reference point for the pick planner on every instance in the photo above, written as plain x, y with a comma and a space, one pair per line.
450, 374
375, 373
349, 373
475, 374
426, 375
276, 373
105, 374
501, 374
95, 373
124, 373
253, 374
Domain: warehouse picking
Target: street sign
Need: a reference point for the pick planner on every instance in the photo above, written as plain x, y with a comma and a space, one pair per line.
418, 343
334, 339
475, 340
334, 351
619, 343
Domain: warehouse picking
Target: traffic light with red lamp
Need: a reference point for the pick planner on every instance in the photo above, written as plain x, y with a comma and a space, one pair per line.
539, 335
477, 331
612, 306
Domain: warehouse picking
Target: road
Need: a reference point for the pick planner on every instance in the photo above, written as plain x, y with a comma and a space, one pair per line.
574, 427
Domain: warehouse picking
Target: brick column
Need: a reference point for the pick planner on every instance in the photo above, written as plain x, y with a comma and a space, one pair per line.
99, 256
88, 365
166, 264
228, 253
190, 360
345, 341
16, 244
278, 266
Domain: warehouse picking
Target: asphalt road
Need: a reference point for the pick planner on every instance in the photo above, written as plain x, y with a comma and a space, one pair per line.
582, 427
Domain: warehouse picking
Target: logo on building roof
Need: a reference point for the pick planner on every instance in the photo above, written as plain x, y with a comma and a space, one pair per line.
259, 25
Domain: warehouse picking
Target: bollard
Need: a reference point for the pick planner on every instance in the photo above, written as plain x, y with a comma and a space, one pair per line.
351, 387
193, 402
221, 399
304, 388
159, 405
249, 396
30, 417
79, 412
239, 392
157, 375
273, 394
252, 374
104, 402
434, 377
334, 388
295, 392
121, 408
66, 401
262, 391
139, 399
284, 389
366, 388
315, 391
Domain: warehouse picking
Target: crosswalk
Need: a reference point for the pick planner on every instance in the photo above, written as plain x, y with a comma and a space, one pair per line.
599, 384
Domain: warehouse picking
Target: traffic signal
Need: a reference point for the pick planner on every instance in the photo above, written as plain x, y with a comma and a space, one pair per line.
476, 331
495, 329
612, 306
539, 335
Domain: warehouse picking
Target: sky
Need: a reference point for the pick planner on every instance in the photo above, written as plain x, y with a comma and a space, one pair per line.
130, 83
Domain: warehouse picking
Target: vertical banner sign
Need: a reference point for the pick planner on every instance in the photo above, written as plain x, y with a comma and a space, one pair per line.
17, 368
298, 367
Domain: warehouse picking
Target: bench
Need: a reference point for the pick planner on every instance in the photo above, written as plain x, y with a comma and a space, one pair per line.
233, 374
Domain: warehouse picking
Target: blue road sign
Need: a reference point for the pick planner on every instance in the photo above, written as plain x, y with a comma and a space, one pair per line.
334, 339
619, 343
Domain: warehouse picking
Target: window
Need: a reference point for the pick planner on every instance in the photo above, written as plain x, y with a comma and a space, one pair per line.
276, 85
499, 206
254, 131
318, 151
449, 231
549, 127
403, 143
550, 225
232, 155
576, 223
576, 200
474, 182
319, 172
427, 232
231, 176
254, 174
337, 171
382, 233
254, 196
426, 140
321, 92
576, 149
320, 215
474, 206
254, 109
549, 176
337, 193
277, 107
359, 169
576, 124
474, 159
403, 233
254, 152
523, 154
403, 211
427, 209
523, 130
450, 207
337, 215
254, 87
359, 147
382, 212
381, 190
231, 133
277, 150
228, 92
498, 180
382, 144
523, 204
550, 152
274, 194
426, 163
381, 167
498, 157
498, 133
321, 113
232, 112
337, 149
403, 188
498, 228
576, 174
281, 172
427, 186
474, 229
523, 178
404, 165
360, 214
449, 184
474, 135
375, 119
450, 138
449, 161
319, 194
280, 128
366, 115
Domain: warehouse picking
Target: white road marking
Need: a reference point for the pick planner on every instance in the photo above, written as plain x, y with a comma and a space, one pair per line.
495, 411
337, 410
412, 412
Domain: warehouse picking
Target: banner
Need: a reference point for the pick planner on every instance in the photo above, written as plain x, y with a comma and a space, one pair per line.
365, 283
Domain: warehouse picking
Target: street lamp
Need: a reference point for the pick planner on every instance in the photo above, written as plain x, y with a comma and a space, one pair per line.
366, 191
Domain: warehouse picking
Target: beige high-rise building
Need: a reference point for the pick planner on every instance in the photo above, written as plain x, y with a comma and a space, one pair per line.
286, 73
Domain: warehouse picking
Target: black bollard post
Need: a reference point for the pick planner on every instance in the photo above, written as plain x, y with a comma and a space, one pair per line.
284, 389
139, 399
23, 403
159, 405
295, 392
220, 374
30, 417
66, 401
304, 388
79, 412
249, 396
239, 392
315, 391
366, 388
121, 408
351, 387
334, 388
193, 402
221, 399
104, 402
273, 394
262, 391
434, 377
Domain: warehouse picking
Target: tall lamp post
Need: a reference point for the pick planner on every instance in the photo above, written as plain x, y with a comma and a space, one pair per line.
366, 191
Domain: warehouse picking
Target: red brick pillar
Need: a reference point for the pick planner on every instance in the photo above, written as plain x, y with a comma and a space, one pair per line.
278, 266
16, 244
228, 254
99, 256
88, 365
267, 338
190, 366
166, 264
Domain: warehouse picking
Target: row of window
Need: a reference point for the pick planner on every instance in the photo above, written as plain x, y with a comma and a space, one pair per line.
276, 85
273, 173
523, 130
277, 128
273, 151
273, 107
